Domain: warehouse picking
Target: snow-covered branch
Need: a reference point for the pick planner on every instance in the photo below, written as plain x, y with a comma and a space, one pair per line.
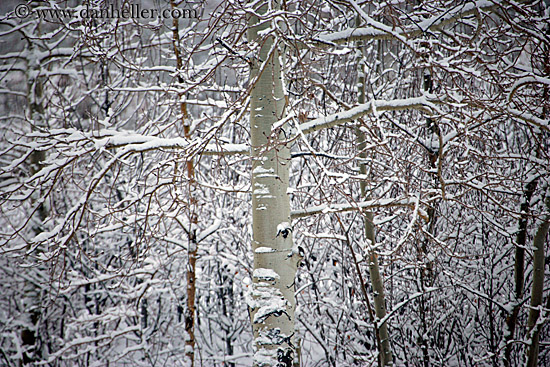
378, 31
422, 103
346, 207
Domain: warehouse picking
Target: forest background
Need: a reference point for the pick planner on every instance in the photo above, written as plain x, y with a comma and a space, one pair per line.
274, 183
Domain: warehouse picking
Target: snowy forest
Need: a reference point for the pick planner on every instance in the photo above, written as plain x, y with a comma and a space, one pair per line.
283, 183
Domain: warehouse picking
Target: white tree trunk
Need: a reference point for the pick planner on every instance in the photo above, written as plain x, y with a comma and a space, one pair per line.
273, 302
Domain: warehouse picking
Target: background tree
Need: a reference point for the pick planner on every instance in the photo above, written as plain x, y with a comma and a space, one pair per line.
451, 167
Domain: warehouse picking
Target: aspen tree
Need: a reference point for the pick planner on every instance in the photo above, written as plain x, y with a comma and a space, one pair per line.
273, 301
377, 282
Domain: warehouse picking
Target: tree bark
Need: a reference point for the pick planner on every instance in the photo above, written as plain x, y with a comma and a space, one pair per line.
519, 269
537, 287
273, 302
189, 319
377, 282
31, 292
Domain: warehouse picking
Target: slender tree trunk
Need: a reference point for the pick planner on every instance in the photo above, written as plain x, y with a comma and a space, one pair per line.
519, 269
273, 302
31, 292
537, 287
189, 319
192, 250
374, 268
426, 272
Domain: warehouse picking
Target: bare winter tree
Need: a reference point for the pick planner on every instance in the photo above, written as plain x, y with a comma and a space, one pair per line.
278, 183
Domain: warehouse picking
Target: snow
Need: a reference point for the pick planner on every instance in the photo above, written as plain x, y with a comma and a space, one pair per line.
263, 274
260, 172
369, 204
213, 228
340, 118
379, 31
98, 234
270, 307
283, 226
264, 250
260, 169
